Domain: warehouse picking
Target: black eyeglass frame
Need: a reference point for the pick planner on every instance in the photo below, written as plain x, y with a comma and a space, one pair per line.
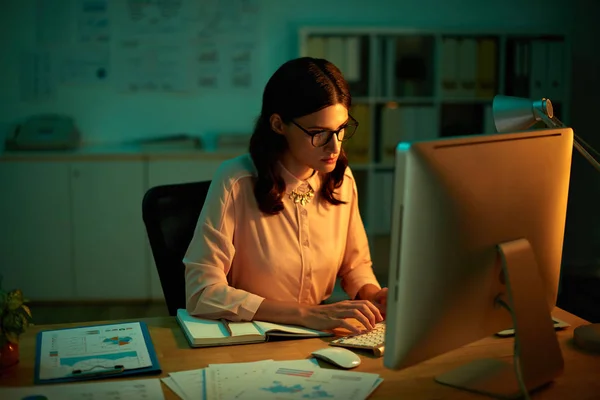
351, 122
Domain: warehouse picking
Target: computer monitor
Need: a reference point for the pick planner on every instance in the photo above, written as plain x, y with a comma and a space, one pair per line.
477, 235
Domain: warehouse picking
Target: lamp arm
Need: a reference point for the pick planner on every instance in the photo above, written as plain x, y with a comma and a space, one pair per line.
553, 122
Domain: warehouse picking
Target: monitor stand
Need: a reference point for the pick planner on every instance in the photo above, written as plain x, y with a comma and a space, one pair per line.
537, 352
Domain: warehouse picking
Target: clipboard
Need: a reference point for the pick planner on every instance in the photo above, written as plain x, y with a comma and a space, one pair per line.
86, 352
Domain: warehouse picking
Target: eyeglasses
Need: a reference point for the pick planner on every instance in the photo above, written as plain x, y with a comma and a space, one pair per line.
321, 138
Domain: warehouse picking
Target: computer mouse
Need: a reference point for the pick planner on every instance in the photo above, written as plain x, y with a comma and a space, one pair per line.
338, 356
587, 337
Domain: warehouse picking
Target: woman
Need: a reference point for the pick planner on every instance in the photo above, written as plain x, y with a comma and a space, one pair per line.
280, 224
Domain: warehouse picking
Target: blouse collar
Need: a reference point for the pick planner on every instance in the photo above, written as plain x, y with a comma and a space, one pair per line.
293, 183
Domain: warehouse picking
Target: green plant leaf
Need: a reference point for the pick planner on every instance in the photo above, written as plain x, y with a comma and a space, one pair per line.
13, 323
26, 320
15, 299
15, 316
27, 311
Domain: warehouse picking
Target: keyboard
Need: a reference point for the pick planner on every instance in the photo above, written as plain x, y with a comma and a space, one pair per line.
373, 341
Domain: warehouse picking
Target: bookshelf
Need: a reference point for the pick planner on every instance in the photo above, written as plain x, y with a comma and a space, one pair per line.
417, 84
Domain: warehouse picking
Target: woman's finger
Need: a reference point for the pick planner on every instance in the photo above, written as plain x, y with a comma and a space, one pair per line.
352, 328
375, 310
358, 315
368, 312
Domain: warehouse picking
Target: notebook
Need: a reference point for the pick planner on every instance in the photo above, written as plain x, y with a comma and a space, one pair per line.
207, 332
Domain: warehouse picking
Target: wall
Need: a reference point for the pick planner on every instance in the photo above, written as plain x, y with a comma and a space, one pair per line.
104, 115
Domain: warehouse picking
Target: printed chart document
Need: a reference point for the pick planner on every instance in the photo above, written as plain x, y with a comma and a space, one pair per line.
205, 332
292, 379
139, 389
281, 382
90, 351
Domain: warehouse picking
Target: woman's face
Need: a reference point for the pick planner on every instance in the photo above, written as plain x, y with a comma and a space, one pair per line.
302, 157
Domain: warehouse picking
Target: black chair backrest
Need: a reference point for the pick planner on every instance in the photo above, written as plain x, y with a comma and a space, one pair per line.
170, 213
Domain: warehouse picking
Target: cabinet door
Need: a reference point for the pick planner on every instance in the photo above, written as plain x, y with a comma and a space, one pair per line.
35, 229
164, 172
108, 232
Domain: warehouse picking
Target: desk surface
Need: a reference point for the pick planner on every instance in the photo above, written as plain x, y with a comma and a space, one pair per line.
581, 378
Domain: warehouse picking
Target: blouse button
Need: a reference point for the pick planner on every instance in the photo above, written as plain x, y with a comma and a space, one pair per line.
305, 243
304, 212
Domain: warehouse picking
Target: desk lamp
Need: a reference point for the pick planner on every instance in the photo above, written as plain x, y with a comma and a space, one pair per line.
515, 113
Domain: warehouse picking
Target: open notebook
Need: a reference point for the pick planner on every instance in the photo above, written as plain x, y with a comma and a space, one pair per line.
206, 332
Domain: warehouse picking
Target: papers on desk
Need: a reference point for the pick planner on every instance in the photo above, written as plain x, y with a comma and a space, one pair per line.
141, 389
268, 379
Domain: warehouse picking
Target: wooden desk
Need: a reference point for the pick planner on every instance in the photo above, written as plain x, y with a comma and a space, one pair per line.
581, 379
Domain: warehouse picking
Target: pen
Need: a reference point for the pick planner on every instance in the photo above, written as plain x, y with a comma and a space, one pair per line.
88, 373
226, 324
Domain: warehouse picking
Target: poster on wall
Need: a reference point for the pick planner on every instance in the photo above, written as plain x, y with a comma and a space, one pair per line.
36, 81
230, 30
158, 65
75, 36
185, 46
144, 46
77, 65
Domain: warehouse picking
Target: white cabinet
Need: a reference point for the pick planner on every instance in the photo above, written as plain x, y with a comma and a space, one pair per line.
109, 238
35, 234
163, 172
71, 227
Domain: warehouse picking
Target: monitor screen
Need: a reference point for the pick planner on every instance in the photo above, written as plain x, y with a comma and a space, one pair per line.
465, 212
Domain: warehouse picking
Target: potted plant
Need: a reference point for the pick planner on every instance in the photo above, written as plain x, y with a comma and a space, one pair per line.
15, 318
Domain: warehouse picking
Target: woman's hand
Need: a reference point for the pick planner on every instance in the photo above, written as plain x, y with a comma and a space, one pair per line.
335, 315
375, 295
380, 300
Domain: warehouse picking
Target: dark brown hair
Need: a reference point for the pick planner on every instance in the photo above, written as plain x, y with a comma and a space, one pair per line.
299, 87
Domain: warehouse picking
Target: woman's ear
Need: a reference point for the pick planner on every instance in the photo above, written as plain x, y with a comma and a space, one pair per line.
277, 124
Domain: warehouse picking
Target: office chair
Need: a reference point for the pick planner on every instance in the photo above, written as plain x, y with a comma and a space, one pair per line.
170, 213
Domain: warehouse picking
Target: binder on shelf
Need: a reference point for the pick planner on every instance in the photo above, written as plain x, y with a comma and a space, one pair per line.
410, 66
406, 123
449, 67
538, 73
352, 62
467, 69
94, 352
388, 79
383, 208
393, 130
357, 148
556, 70
335, 51
486, 68
315, 47
521, 69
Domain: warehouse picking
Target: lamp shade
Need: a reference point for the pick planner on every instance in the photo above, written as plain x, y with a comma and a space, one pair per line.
513, 113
